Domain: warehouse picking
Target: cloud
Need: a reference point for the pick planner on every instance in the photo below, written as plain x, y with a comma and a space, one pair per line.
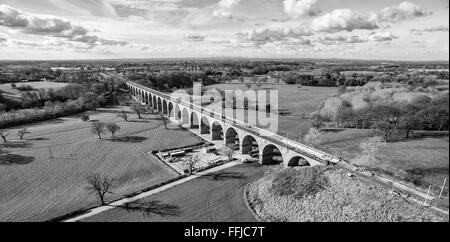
299, 8
49, 26
3, 38
224, 7
429, 30
264, 35
344, 20
403, 11
382, 36
329, 40
194, 37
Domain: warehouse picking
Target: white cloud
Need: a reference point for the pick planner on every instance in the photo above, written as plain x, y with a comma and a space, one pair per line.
344, 20
264, 35
429, 30
49, 26
224, 7
403, 11
382, 36
329, 40
194, 37
299, 8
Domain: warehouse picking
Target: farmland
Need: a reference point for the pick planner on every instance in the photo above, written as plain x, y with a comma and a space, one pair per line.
216, 197
43, 176
420, 160
292, 102
36, 85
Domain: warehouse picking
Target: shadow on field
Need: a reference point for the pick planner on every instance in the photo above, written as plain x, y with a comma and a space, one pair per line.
130, 139
140, 121
152, 207
220, 176
16, 145
12, 159
38, 139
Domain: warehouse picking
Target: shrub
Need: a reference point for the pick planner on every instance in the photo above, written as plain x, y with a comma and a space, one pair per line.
85, 117
301, 183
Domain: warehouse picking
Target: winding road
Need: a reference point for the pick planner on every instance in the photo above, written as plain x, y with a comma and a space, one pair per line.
215, 197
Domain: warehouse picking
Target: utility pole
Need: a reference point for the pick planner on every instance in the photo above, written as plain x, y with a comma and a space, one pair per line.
442, 188
50, 151
426, 198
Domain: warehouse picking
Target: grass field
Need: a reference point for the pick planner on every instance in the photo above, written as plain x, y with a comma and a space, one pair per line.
278, 197
292, 102
36, 187
419, 160
216, 197
6, 88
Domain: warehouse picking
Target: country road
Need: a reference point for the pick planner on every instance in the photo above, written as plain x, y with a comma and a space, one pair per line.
217, 197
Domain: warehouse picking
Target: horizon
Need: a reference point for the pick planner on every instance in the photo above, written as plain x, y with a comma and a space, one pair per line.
230, 58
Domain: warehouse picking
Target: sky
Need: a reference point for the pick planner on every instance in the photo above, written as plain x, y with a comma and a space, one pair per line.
111, 29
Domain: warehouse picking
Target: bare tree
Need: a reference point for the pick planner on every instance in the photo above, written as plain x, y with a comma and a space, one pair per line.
138, 109
370, 147
4, 134
165, 121
98, 128
123, 115
22, 132
228, 151
313, 136
113, 129
100, 185
191, 163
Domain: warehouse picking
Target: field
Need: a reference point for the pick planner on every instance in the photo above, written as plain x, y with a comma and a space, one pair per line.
421, 160
44, 176
292, 102
294, 196
216, 197
6, 88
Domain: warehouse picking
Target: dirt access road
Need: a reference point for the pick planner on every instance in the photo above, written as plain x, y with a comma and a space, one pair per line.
217, 197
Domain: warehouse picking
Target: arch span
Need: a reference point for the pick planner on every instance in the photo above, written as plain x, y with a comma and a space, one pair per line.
184, 115
171, 110
271, 155
194, 121
232, 138
217, 131
250, 147
205, 126
177, 112
298, 161
164, 107
160, 108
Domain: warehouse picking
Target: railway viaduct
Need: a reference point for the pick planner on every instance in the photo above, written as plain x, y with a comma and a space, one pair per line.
268, 147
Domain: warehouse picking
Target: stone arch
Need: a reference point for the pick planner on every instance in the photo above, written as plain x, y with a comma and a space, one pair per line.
250, 146
177, 112
185, 117
217, 131
160, 108
171, 110
194, 120
205, 127
155, 103
232, 138
164, 107
271, 155
298, 161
